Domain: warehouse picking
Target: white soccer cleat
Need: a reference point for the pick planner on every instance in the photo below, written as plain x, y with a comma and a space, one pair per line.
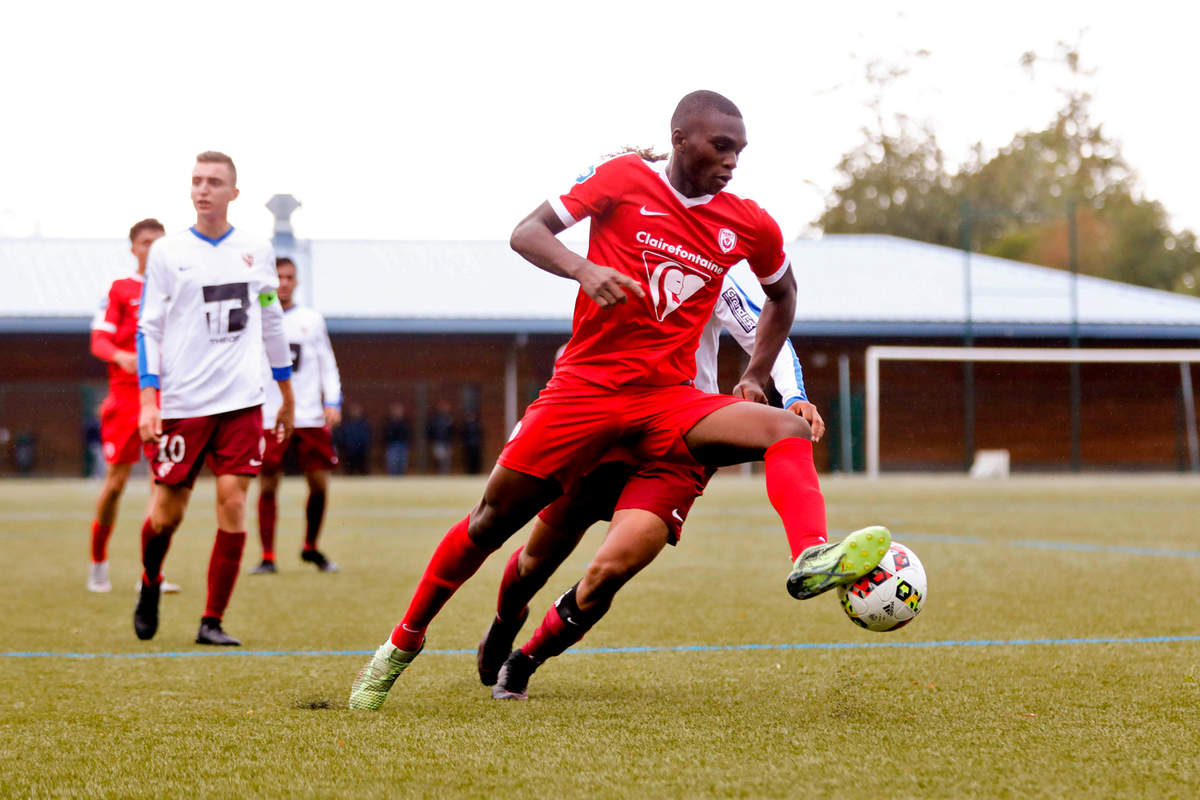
98, 577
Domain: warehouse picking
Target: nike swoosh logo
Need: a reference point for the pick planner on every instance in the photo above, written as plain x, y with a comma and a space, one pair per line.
648, 213
675, 514
254, 462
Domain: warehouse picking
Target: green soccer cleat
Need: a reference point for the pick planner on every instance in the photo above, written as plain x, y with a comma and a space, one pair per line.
374, 681
823, 566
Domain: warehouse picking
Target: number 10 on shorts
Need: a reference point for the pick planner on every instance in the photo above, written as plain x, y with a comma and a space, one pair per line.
171, 449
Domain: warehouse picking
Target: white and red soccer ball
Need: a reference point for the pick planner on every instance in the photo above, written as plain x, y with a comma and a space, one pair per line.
890, 596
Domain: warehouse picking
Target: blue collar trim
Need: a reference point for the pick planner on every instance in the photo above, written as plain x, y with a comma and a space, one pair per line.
213, 242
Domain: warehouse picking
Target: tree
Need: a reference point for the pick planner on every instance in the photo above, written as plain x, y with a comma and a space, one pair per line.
895, 184
1019, 199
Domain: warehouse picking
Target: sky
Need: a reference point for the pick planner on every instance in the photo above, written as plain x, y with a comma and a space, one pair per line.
454, 120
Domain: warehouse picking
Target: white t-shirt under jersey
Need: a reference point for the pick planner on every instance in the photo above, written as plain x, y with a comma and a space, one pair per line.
208, 306
315, 381
737, 313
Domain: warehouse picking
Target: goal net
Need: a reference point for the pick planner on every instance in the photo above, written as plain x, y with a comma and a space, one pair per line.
1061, 355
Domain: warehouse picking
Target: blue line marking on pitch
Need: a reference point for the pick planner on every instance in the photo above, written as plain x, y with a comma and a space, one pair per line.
696, 648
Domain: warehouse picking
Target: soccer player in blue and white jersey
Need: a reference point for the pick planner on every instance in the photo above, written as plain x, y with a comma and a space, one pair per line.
318, 392
209, 305
647, 504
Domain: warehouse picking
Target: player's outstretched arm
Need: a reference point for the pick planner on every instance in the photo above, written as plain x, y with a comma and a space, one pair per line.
536, 239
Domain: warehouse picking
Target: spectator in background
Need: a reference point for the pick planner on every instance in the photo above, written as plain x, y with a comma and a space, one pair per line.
24, 452
439, 430
353, 438
472, 442
93, 447
396, 437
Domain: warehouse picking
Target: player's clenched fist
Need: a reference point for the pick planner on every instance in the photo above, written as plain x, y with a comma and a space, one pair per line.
607, 286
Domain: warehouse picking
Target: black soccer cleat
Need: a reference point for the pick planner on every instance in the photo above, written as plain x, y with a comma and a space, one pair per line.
496, 645
513, 681
267, 567
145, 613
210, 633
318, 559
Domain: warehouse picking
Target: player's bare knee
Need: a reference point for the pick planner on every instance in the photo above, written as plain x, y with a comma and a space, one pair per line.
606, 576
789, 426
165, 520
488, 525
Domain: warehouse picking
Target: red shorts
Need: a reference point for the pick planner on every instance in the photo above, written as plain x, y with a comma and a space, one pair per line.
119, 428
231, 443
313, 446
664, 489
567, 431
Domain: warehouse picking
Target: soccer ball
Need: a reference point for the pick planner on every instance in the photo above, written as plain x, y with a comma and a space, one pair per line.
888, 597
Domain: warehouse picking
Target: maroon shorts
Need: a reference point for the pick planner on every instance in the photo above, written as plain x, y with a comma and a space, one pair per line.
568, 430
313, 446
231, 443
119, 428
665, 489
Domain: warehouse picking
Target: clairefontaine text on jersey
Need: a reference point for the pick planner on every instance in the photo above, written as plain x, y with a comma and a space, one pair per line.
679, 251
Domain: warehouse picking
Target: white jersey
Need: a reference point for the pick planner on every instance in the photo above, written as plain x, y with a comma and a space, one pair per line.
208, 305
315, 382
738, 314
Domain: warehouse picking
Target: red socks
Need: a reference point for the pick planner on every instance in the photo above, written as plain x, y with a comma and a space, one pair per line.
100, 536
266, 525
563, 626
223, 569
795, 491
455, 559
154, 551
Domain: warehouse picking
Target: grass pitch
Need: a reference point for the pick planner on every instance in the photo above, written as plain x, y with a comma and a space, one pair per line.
1057, 656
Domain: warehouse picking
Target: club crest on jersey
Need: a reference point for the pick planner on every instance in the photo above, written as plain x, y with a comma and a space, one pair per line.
726, 240
671, 283
249, 259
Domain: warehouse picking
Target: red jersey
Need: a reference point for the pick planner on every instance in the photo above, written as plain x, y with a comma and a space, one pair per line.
116, 322
677, 248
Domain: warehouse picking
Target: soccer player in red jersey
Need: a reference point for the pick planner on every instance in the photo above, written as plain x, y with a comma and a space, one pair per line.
114, 330
647, 503
659, 242
209, 305
317, 388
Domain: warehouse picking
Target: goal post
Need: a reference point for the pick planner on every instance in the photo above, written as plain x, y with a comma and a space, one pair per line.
1061, 355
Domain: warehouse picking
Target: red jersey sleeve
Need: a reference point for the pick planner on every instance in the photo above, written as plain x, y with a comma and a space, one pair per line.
596, 190
104, 326
769, 260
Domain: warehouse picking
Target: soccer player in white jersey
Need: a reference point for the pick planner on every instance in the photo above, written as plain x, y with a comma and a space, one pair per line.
647, 505
209, 305
318, 392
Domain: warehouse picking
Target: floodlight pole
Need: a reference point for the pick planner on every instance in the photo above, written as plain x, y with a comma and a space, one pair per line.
968, 340
283, 241
1076, 386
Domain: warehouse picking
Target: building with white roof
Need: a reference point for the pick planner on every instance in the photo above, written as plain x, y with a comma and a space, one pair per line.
473, 320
